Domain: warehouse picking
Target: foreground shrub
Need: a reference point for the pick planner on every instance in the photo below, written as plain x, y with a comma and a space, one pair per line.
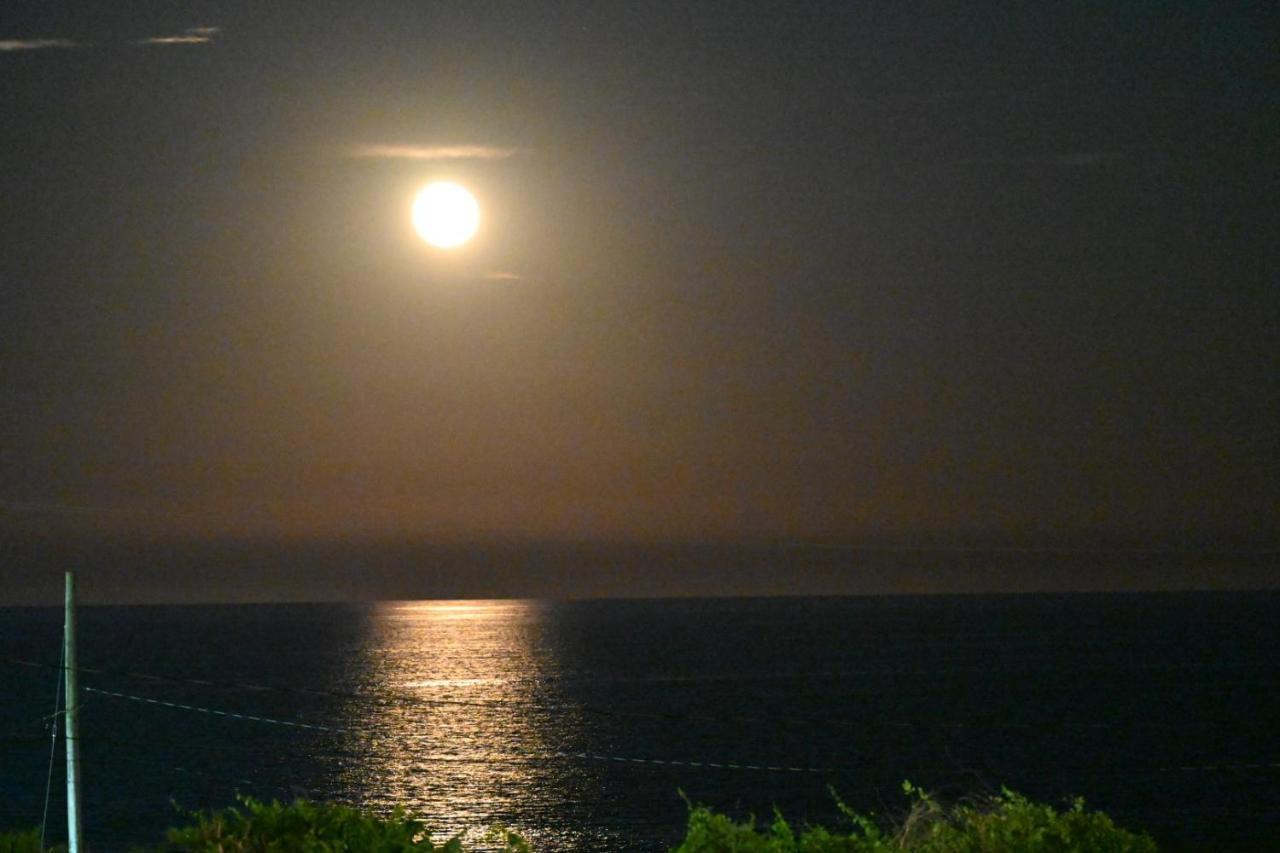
23, 842
306, 827
1008, 823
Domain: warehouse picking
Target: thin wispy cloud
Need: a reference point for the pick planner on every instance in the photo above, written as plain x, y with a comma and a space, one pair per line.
432, 152
8, 45
191, 35
502, 275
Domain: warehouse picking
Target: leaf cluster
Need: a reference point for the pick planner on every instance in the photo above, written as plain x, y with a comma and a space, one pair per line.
307, 827
27, 841
1007, 823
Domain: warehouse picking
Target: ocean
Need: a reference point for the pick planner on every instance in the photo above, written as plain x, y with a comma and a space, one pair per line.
586, 724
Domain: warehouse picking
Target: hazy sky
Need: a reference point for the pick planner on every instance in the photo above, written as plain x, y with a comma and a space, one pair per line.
991, 271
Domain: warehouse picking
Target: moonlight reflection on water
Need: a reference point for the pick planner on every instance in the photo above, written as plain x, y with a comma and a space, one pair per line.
456, 710
460, 720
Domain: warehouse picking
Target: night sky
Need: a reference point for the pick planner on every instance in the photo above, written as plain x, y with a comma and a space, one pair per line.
974, 273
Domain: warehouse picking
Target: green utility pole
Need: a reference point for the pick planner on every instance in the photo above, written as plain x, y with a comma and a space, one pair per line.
73, 717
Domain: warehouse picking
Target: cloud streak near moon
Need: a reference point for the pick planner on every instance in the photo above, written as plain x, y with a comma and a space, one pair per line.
10, 45
431, 152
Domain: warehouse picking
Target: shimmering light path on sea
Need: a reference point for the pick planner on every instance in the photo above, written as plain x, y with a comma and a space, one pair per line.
577, 723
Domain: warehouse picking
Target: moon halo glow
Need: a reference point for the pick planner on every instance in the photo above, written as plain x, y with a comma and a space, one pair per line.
446, 215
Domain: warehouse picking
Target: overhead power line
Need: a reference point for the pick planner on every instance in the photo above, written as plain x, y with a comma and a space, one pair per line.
231, 714
584, 755
596, 756
53, 749
660, 716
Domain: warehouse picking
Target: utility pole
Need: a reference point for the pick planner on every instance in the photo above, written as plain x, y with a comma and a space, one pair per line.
73, 717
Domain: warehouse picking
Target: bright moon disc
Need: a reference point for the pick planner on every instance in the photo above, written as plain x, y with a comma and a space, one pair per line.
445, 215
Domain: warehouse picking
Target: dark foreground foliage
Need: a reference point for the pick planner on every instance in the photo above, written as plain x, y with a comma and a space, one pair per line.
307, 827
23, 842
1008, 823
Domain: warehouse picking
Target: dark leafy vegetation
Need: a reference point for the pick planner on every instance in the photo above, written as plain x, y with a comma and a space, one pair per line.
1008, 823
307, 827
23, 842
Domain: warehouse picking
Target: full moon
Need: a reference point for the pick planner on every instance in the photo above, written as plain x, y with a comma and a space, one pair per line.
445, 215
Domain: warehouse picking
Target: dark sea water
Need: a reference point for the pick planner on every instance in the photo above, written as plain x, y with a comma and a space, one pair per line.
1161, 709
